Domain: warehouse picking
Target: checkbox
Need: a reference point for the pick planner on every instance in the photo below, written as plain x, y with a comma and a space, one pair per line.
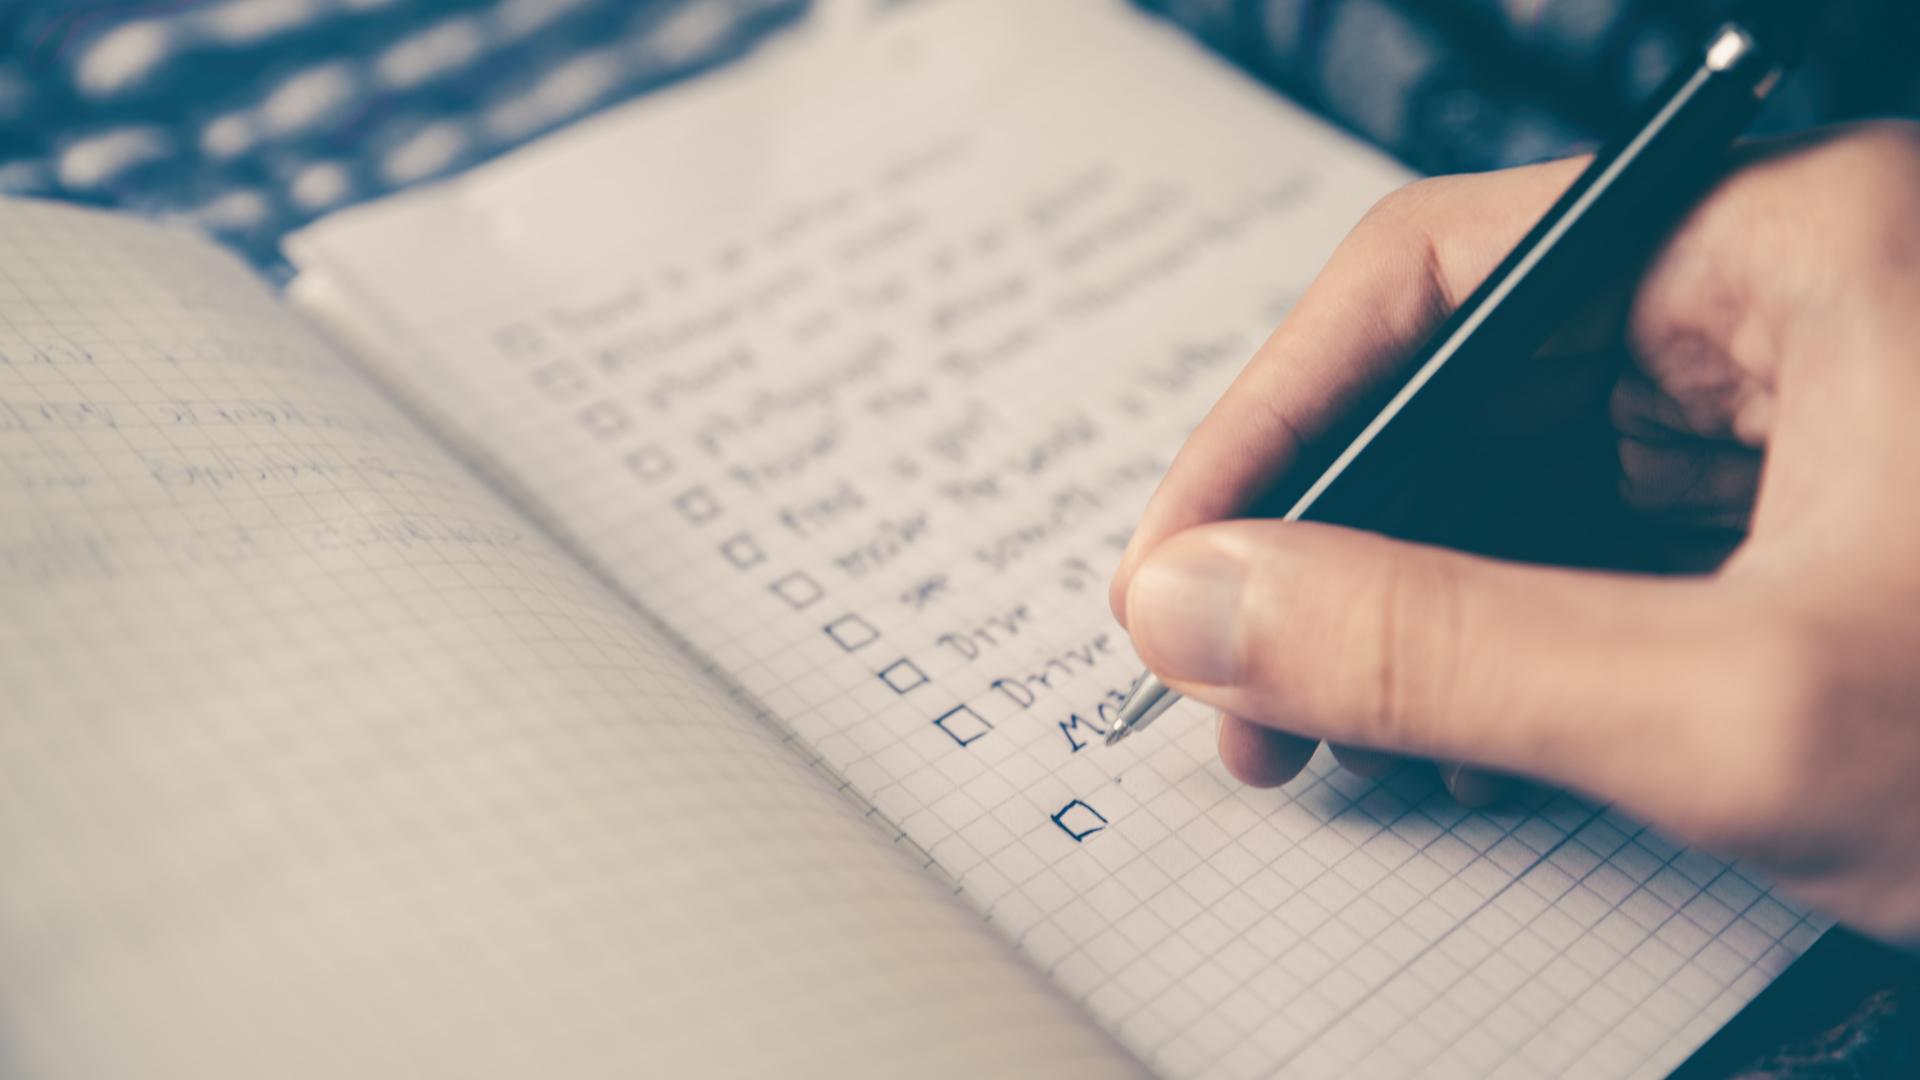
698, 505
903, 675
962, 724
743, 552
650, 463
1079, 820
519, 340
605, 420
560, 381
851, 632
799, 590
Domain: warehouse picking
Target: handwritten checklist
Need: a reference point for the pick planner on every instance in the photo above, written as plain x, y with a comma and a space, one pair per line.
913, 372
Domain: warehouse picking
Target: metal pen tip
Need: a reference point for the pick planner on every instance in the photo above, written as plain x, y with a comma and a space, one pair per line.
1148, 699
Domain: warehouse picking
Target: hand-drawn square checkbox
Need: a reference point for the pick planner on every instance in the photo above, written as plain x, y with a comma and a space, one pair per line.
650, 463
605, 420
851, 632
519, 340
798, 589
742, 551
903, 675
1079, 820
962, 724
698, 505
559, 381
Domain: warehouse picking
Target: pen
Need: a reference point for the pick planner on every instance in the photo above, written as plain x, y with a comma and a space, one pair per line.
1634, 193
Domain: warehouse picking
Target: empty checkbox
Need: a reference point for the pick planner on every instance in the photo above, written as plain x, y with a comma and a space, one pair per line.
1079, 820
519, 340
799, 590
698, 505
903, 675
743, 552
560, 381
605, 420
852, 632
650, 463
962, 724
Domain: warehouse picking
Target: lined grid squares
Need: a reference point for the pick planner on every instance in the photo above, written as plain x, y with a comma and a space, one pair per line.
311, 733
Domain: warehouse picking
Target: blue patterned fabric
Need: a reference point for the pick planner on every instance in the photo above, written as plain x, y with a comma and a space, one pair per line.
249, 118
1467, 85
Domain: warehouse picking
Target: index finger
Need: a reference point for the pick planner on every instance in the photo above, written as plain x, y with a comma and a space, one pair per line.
1395, 279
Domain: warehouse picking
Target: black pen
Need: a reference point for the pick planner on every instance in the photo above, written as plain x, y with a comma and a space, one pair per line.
1616, 213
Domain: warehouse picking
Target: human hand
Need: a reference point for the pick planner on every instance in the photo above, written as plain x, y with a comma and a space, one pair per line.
1749, 411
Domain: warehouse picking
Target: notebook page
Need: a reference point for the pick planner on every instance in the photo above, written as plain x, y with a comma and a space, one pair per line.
855, 365
317, 760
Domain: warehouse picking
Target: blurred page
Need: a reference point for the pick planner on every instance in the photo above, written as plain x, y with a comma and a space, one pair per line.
320, 760
855, 365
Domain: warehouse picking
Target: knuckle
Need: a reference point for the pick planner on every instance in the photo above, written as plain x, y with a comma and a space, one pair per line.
1400, 226
1396, 250
1890, 147
1408, 203
1268, 647
1403, 633
1866, 152
1871, 176
1795, 687
1359, 657
1856, 173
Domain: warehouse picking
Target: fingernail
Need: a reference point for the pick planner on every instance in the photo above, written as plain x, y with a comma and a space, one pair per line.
1182, 607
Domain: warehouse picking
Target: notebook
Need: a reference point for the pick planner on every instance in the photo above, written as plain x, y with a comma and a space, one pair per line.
637, 608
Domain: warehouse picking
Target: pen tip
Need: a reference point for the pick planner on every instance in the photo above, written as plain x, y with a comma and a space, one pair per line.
1146, 700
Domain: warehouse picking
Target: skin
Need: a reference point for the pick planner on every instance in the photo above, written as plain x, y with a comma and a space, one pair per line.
1686, 580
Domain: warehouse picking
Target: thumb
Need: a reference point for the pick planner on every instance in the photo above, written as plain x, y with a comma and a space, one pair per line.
1569, 676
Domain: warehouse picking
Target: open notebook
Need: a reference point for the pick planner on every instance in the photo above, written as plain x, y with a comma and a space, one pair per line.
637, 609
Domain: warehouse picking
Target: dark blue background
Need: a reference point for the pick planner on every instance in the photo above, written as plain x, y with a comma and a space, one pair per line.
251, 117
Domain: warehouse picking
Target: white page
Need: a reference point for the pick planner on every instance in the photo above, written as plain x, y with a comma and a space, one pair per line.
855, 365
318, 760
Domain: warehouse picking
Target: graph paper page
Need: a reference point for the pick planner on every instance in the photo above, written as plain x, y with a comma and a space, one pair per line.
855, 367
317, 760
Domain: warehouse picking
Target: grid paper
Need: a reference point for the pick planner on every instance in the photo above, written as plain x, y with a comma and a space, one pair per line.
854, 367
319, 760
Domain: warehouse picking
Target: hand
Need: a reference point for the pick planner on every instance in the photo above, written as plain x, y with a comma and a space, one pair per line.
1749, 411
